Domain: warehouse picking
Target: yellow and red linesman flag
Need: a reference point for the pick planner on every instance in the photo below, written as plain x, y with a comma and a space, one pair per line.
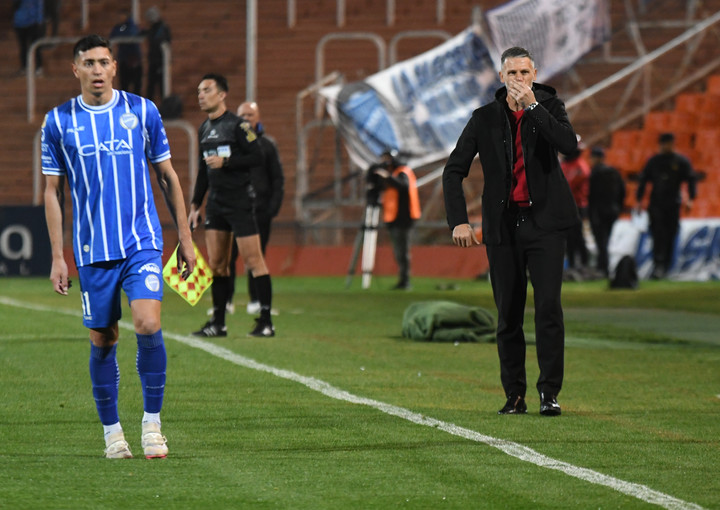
191, 290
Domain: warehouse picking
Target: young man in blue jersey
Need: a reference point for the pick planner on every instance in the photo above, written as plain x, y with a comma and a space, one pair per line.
101, 142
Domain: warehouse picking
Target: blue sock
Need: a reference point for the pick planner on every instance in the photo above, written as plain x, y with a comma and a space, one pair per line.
105, 377
151, 364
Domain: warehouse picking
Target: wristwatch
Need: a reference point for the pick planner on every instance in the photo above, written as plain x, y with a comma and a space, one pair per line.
531, 106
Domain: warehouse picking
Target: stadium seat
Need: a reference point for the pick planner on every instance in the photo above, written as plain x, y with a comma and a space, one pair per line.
620, 159
657, 121
713, 85
707, 139
689, 102
709, 116
624, 139
683, 122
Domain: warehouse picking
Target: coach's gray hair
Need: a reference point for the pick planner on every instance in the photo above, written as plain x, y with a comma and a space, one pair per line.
516, 52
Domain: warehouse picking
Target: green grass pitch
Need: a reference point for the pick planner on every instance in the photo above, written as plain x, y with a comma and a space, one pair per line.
339, 411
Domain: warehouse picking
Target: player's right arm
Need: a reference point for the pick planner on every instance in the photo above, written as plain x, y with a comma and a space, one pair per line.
53, 217
53, 168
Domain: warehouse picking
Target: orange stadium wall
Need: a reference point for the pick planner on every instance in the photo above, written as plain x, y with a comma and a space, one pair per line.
434, 261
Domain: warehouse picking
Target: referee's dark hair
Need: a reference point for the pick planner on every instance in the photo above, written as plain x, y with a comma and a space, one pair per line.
221, 81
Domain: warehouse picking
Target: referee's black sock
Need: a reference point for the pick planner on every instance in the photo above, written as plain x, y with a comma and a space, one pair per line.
220, 289
263, 286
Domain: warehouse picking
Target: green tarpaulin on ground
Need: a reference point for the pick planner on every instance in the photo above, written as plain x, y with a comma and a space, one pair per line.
446, 321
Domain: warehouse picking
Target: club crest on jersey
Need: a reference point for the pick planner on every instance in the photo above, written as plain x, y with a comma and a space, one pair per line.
128, 120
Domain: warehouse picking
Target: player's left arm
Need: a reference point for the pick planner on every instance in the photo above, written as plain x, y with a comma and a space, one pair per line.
170, 186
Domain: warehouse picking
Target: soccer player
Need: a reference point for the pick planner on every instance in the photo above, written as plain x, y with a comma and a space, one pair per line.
100, 142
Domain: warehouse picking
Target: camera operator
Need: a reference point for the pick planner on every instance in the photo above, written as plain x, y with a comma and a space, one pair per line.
401, 207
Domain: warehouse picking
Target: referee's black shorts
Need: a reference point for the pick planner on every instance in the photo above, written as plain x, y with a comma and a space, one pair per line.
238, 220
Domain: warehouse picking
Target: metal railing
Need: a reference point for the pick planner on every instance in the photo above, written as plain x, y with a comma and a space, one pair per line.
378, 41
638, 71
85, 12
340, 10
413, 34
302, 185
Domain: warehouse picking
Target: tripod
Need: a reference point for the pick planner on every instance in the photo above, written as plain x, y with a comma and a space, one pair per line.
367, 238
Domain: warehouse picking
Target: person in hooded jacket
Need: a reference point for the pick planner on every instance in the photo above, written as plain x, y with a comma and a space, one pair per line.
527, 209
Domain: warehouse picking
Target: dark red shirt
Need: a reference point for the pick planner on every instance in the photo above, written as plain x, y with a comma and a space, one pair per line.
519, 192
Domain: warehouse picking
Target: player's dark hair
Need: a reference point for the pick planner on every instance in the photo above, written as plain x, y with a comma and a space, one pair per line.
516, 52
219, 79
89, 42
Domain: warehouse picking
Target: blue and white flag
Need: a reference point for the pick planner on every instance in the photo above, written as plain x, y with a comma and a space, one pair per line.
419, 106
556, 32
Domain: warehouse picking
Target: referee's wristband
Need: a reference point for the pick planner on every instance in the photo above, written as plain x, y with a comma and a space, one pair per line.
531, 106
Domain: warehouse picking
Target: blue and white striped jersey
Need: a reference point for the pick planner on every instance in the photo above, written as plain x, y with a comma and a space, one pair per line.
103, 153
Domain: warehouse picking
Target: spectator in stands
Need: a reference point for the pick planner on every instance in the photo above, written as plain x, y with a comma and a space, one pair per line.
157, 34
527, 208
577, 173
666, 171
29, 23
129, 55
605, 203
401, 208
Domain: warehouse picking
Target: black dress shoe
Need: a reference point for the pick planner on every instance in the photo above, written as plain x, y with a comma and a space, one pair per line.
549, 405
515, 405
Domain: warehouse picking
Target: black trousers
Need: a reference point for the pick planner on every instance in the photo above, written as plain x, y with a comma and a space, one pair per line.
576, 244
154, 81
400, 237
130, 77
664, 226
539, 254
601, 225
26, 36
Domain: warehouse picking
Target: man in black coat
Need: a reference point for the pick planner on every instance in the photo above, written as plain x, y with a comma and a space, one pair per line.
527, 209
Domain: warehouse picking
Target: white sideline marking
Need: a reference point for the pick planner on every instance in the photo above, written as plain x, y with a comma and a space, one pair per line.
516, 450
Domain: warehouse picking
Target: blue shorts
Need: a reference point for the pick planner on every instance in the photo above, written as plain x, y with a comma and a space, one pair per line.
139, 275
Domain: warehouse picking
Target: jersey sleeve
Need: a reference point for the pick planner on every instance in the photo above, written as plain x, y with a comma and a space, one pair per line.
158, 148
53, 162
250, 154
